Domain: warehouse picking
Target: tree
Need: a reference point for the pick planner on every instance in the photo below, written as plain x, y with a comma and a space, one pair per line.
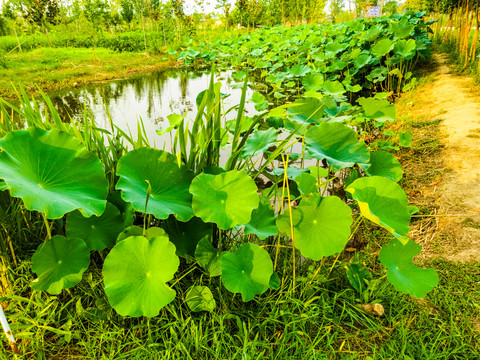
336, 7
390, 8
41, 12
127, 11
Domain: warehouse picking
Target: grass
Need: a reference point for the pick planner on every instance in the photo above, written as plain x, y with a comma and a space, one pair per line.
56, 68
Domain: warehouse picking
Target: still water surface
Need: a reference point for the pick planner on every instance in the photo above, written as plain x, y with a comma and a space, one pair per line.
151, 97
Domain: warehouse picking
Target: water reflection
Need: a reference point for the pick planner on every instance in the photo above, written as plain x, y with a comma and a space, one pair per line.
151, 97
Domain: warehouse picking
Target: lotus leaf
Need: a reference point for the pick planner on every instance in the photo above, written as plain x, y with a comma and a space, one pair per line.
138, 231
384, 164
334, 88
262, 222
402, 273
247, 271
307, 184
402, 30
200, 298
312, 82
299, 70
169, 183
308, 110
382, 201
321, 226
226, 199
259, 100
362, 60
59, 264
382, 47
274, 283
135, 274
405, 48
186, 235
98, 232
404, 139
318, 172
259, 142
208, 257
377, 109
52, 172
3, 186
337, 143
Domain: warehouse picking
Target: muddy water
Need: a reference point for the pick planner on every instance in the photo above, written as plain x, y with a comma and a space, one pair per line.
150, 97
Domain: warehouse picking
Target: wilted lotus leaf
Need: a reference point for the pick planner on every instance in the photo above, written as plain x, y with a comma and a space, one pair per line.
52, 172
226, 199
337, 143
59, 264
169, 183
98, 232
384, 164
402, 273
321, 226
259, 142
247, 271
200, 298
262, 222
135, 274
382, 201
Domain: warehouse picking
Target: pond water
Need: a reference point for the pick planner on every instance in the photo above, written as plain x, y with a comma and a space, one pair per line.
151, 97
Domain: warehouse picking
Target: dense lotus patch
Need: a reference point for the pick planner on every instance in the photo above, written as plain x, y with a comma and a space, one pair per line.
52, 172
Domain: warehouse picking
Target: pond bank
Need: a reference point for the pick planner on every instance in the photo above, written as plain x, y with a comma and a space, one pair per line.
54, 69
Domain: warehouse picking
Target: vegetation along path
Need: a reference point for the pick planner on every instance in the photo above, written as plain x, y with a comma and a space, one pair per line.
452, 173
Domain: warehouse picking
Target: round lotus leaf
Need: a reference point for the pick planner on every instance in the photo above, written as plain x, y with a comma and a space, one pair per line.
98, 232
59, 264
382, 201
321, 226
247, 271
208, 257
259, 142
169, 183
384, 164
226, 199
200, 298
138, 231
135, 274
262, 222
382, 48
52, 172
337, 143
402, 273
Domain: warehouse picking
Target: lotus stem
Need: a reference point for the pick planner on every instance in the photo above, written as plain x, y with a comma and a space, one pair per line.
49, 232
8, 331
285, 165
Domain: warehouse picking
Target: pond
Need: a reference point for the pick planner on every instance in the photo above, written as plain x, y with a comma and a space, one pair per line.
150, 97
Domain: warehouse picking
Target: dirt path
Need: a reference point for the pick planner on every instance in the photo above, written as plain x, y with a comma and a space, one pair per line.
454, 231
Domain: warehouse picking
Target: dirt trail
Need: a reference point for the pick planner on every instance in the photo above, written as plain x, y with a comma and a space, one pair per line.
455, 100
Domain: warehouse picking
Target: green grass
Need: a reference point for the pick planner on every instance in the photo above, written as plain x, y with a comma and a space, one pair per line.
320, 320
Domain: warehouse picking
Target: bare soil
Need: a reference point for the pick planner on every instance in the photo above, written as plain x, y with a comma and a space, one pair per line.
443, 169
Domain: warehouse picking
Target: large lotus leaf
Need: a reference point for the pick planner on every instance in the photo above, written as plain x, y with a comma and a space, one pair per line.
402, 273
382, 201
308, 110
337, 143
262, 222
334, 88
382, 47
384, 164
247, 271
321, 226
402, 30
59, 264
200, 298
259, 142
226, 199
299, 70
405, 48
52, 172
378, 109
362, 60
169, 183
98, 232
312, 82
186, 235
135, 274
138, 231
208, 257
